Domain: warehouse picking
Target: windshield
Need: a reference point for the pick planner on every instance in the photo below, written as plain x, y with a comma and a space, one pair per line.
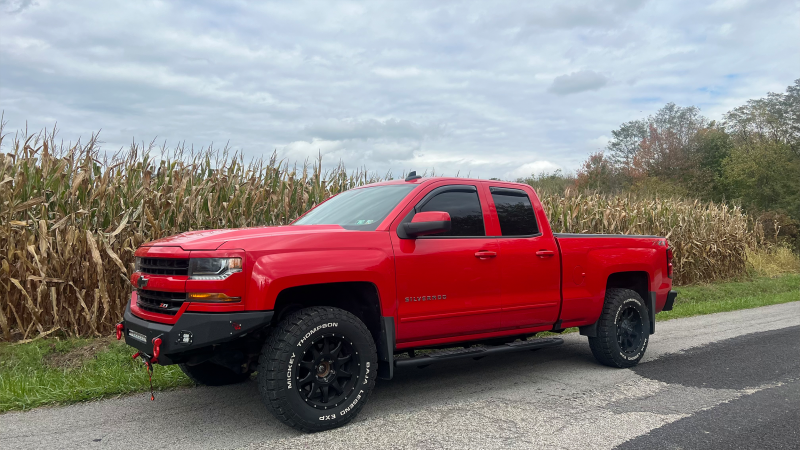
358, 209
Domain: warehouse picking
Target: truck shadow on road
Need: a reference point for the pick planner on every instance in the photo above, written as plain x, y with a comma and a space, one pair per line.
238, 409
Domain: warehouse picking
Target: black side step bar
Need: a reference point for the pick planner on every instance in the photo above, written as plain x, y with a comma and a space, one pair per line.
478, 352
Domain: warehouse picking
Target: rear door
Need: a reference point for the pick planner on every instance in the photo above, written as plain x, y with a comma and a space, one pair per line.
447, 284
530, 270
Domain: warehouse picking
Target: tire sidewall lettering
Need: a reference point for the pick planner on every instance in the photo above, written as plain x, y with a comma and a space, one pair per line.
290, 371
315, 329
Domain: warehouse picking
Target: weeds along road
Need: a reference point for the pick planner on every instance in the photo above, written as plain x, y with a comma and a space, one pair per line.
728, 380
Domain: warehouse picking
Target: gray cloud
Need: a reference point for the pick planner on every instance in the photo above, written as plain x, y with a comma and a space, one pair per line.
459, 87
401, 129
15, 6
585, 80
585, 15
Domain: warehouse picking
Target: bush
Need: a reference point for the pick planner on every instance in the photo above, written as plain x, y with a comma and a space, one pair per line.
773, 261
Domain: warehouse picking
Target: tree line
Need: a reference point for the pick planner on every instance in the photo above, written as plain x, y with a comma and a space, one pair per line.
749, 158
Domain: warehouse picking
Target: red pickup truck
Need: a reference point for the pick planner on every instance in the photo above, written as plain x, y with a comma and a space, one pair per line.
348, 292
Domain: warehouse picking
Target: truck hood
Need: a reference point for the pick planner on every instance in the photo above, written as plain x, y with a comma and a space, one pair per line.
214, 239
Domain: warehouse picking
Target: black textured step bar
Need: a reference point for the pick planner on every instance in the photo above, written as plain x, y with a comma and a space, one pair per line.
478, 352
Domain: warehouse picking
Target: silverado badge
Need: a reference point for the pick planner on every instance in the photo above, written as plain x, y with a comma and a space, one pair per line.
426, 298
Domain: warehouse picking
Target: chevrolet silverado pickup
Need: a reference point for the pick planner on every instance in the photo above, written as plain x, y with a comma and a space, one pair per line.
349, 291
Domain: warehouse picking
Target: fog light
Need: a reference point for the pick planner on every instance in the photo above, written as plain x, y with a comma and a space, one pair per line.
185, 337
211, 297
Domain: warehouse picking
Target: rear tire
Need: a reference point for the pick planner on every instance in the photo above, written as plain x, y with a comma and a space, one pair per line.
210, 374
623, 330
317, 369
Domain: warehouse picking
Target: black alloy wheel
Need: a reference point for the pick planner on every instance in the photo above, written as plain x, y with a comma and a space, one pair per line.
629, 330
326, 371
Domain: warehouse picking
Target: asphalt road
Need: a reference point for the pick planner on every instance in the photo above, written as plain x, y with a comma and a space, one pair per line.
728, 380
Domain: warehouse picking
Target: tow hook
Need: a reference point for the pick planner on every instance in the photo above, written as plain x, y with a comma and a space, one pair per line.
149, 361
120, 329
156, 349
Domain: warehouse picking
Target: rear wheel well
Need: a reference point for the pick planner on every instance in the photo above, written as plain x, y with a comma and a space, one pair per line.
635, 281
356, 297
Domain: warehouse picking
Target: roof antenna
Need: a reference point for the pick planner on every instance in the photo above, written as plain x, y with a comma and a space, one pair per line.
412, 176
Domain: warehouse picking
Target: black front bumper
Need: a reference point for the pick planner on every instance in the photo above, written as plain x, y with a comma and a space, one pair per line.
203, 330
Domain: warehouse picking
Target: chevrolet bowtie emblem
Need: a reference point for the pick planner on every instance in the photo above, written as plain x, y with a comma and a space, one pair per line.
141, 282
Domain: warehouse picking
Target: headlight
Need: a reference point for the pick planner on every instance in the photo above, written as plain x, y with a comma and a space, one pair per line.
213, 268
137, 264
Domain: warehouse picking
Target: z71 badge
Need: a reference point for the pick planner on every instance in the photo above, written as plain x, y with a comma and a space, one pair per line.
425, 298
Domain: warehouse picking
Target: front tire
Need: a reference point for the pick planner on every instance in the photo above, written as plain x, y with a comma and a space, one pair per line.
623, 330
317, 369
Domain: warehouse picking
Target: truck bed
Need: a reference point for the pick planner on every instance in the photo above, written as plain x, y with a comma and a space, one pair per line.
587, 261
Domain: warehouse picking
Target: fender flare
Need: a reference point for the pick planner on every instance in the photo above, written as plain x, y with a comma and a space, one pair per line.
650, 301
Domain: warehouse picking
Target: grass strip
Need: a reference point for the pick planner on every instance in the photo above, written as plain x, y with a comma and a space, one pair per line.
43, 372
59, 371
722, 297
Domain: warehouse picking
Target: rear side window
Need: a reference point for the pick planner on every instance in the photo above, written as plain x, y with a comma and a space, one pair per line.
515, 212
466, 217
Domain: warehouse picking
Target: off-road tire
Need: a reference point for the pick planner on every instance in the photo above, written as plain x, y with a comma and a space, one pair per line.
606, 347
210, 374
289, 344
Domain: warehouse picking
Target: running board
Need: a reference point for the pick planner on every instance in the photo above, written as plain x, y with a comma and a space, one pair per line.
478, 352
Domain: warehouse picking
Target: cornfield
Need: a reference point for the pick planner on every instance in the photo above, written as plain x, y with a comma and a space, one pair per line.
709, 240
70, 222
71, 218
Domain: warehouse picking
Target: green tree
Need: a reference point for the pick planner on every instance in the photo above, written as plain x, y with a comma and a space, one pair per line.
774, 118
659, 145
626, 142
764, 176
711, 147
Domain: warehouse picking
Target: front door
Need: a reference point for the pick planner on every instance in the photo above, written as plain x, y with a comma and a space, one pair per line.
447, 284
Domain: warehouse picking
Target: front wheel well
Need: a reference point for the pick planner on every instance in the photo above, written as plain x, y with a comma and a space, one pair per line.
359, 298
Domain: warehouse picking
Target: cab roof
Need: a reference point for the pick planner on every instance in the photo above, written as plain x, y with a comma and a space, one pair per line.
427, 180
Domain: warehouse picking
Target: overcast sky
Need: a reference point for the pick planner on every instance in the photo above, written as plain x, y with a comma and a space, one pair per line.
490, 88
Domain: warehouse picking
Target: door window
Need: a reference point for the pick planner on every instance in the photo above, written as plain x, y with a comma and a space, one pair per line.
515, 212
464, 207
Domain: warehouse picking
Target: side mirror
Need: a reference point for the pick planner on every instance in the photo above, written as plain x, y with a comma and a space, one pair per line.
425, 223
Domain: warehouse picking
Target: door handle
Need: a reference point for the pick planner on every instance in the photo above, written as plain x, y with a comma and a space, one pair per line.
545, 253
485, 254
